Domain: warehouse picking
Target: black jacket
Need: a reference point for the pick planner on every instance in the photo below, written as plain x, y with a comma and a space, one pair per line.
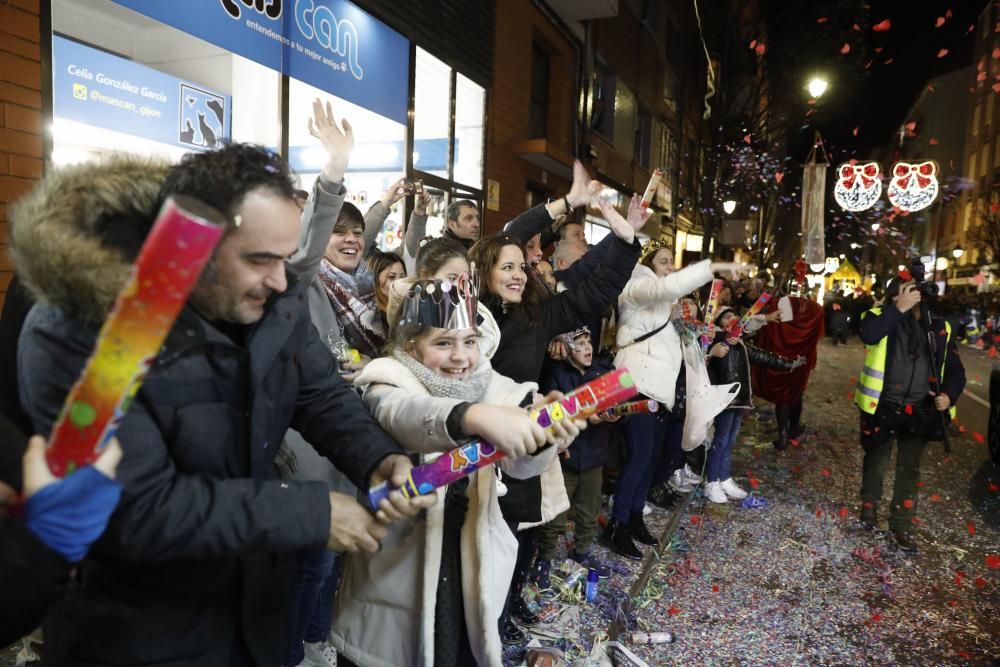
202, 544
32, 576
889, 419
735, 367
16, 305
590, 449
523, 342
465, 243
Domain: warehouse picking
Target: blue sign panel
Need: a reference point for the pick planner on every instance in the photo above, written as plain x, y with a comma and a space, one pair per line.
329, 44
99, 89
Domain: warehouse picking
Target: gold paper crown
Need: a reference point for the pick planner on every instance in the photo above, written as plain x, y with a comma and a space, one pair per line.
651, 246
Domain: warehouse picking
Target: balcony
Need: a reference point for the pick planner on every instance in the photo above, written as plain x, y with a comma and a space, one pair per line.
584, 10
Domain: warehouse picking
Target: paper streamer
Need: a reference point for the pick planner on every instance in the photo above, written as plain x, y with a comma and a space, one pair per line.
597, 395
171, 259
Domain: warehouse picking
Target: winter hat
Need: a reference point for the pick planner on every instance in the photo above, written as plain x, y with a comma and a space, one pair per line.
722, 311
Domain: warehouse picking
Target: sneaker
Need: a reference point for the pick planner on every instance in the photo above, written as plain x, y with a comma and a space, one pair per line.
319, 654
732, 490
592, 562
715, 493
646, 509
678, 483
510, 633
690, 475
905, 541
540, 574
663, 496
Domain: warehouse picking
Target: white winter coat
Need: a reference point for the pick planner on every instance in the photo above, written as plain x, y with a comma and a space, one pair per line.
384, 615
643, 306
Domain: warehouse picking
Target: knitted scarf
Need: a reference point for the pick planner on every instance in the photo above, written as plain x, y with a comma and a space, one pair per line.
471, 389
356, 313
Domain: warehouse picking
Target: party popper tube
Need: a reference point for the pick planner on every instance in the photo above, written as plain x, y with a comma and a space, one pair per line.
179, 244
632, 408
738, 326
711, 309
654, 182
595, 396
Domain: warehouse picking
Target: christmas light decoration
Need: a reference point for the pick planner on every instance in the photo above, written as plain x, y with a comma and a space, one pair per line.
858, 186
914, 186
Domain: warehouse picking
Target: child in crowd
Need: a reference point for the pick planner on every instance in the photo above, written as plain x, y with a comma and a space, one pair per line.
582, 464
729, 361
434, 593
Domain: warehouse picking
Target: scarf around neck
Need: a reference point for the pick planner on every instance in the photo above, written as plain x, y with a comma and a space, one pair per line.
472, 389
355, 309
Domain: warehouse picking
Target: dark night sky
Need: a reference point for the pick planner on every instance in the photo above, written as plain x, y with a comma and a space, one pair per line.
873, 99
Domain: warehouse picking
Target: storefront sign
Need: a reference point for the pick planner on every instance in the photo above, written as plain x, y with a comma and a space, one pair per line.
99, 89
329, 44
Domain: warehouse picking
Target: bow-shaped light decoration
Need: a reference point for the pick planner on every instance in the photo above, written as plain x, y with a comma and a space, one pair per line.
914, 186
858, 186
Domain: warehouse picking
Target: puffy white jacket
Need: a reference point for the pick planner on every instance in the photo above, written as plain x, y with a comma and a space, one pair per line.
643, 306
385, 606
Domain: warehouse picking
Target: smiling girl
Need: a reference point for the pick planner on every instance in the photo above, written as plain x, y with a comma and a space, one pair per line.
440, 581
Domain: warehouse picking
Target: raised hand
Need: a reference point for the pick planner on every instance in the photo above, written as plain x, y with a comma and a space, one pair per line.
622, 228
394, 193
337, 141
584, 189
734, 269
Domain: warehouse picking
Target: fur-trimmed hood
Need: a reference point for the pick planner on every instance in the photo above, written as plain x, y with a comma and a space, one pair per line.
55, 245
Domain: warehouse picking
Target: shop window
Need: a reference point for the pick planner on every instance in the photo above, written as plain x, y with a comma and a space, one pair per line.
431, 115
470, 110
538, 115
125, 82
448, 134
378, 159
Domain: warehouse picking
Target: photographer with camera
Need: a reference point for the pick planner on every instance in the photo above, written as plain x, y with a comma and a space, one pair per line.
912, 376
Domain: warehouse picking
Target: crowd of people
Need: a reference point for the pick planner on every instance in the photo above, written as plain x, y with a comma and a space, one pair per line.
309, 366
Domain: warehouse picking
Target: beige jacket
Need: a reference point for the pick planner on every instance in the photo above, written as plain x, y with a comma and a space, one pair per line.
385, 609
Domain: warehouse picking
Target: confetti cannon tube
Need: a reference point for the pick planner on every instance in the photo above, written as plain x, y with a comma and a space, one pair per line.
711, 309
633, 408
738, 326
180, 243
654, 182
597, 395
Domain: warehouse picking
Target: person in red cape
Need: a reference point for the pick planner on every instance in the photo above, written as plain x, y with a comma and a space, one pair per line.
800, 336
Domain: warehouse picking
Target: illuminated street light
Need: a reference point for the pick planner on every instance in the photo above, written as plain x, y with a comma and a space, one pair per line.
941, 264
817, 86
875, 226
957, 252
729, 206
774, 266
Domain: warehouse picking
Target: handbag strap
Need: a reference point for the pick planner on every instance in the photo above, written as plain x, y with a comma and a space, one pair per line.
645, 336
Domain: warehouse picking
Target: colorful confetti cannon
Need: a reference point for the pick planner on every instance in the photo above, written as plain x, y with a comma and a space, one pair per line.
711, 310
178, 246
633, 408
597, 395
650, 193
737, 327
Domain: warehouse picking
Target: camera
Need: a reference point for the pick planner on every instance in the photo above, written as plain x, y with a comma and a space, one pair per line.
928, 288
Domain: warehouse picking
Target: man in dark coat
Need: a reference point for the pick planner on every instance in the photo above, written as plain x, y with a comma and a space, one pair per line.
194, 566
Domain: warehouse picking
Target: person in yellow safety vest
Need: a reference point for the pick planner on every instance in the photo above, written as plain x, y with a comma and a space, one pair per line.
897, 399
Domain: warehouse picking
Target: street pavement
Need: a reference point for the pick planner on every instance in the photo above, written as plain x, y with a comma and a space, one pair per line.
799, 582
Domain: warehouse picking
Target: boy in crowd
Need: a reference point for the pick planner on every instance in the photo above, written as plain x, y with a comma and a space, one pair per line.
582, 462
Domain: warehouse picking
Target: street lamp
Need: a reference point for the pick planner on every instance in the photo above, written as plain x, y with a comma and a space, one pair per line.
875, 226
941, 264
774, 266
957, 252
817, 86
729, 206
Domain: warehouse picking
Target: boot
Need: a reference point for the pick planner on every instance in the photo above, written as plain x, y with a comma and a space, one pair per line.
540, 574
869, 517
622, 544
795, 427
782, 417
639, 532
509, 632
608, 533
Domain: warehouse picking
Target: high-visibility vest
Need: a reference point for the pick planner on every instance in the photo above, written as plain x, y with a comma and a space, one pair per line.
872, 378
